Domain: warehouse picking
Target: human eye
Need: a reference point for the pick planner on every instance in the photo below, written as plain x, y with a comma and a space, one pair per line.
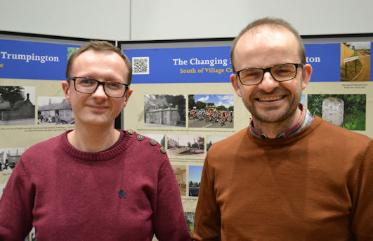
86, 82
283, 69
114, 85
250, 74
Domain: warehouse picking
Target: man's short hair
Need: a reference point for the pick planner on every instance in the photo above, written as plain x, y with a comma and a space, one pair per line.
274, 23
99, 46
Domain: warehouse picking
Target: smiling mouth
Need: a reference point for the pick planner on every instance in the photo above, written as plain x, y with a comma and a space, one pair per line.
271, 98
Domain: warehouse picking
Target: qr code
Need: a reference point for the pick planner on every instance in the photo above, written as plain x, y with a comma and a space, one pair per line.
140, 65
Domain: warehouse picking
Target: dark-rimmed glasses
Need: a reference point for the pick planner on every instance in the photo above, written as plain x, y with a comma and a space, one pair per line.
88, 85
279, 72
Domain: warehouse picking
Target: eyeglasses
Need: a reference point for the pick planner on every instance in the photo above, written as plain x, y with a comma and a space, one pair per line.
88, 85
279, 72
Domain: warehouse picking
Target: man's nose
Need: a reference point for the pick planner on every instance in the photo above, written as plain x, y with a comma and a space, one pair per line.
100, 90
268, 83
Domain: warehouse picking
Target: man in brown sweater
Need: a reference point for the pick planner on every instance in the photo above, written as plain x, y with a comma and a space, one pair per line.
289, 176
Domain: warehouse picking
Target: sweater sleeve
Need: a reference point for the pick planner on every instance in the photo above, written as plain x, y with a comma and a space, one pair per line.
168, 218
207, 217
16, 206
362, 224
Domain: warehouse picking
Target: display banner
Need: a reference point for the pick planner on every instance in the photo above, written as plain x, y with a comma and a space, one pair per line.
181, 65
212, 64
325, 61
33, 60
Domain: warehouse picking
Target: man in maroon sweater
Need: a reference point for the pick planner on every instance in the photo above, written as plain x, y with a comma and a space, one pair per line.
288, 175
94, 182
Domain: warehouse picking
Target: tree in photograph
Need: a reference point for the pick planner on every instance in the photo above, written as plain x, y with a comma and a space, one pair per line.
12, 94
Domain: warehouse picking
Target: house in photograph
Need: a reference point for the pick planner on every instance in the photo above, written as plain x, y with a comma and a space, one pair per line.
164, 110
22, 109
163, 116
59, 113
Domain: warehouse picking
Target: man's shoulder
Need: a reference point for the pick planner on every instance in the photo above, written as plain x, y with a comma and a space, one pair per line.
230, 142
45, 145
340, 133
145, 144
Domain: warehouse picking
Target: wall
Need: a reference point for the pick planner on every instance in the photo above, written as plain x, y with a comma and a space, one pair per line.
175, 19
94, 19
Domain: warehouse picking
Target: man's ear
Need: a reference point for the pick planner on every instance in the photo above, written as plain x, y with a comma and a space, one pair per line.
128, 94
235, 84
66, 89
306, 75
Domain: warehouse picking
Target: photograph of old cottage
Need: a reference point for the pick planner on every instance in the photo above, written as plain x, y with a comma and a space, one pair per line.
54, 110
17, 105
164, 110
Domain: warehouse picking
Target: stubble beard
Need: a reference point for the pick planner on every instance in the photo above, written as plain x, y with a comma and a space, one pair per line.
279, 116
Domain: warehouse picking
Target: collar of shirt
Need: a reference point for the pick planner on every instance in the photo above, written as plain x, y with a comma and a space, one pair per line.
303, 122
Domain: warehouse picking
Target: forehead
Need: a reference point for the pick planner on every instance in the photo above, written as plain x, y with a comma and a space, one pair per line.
265, 46
99, 62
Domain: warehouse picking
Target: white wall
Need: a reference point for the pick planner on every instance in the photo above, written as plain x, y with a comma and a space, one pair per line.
94, 19
175, 19
179, 19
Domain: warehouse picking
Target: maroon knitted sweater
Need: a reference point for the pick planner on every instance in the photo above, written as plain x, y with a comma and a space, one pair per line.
128, 192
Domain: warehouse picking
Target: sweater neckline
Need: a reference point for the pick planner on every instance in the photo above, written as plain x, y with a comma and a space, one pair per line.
120, 146
279, 141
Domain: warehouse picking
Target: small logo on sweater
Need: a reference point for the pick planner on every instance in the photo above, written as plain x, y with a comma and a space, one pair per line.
122, 194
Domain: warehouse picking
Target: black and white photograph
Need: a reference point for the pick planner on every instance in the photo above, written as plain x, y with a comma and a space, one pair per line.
17, 105
186, 145
164, 110
9, 158
54, 110
210, 111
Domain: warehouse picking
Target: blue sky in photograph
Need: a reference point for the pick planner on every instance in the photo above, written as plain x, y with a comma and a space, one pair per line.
225, 100
195, 173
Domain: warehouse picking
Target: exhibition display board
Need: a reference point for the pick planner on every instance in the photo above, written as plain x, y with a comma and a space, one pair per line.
183, 97
32, 104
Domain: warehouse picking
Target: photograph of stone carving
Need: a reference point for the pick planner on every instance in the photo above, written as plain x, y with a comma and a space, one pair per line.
345, 110
164, 110
355, 61
17, 105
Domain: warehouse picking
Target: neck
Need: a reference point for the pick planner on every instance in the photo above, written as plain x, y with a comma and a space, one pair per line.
272, 130
93, 139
